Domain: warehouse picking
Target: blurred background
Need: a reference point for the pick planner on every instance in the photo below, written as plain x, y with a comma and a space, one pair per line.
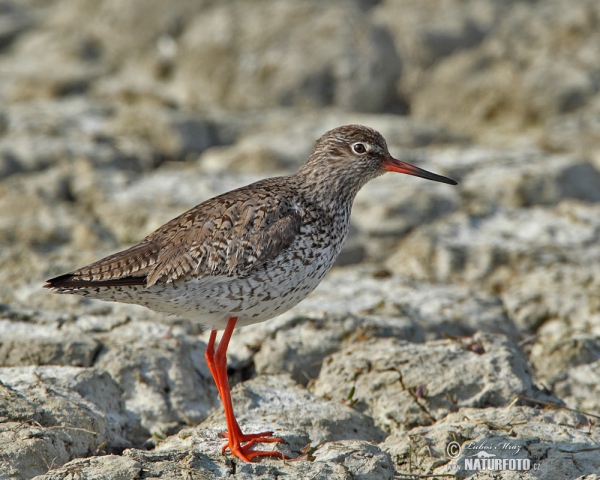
117, 116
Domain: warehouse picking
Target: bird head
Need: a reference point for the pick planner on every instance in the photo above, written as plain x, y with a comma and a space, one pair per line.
351, 155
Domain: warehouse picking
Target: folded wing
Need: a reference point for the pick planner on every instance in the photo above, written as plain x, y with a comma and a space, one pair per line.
229, 235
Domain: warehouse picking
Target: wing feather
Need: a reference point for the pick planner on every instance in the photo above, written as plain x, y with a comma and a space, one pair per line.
229, 235
233, 245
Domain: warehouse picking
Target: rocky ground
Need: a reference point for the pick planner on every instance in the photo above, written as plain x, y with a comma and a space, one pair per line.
456, 317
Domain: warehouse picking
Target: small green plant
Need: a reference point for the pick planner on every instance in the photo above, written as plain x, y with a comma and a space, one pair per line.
308, 451
350, 400
101, 450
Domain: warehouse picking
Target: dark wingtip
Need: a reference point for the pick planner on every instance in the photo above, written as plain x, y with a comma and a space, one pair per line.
60, 281
71, 281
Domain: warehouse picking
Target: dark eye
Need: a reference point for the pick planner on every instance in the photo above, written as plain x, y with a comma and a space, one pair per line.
359, 148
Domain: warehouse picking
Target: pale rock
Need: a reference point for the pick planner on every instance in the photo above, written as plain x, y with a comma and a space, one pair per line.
20, 344
553, 356
494, 248
55, 414
403, 385
274, 402
557, 443
580, 387
165, 381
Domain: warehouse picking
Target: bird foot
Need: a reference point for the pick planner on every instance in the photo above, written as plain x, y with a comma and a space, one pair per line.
267, 437
244, 452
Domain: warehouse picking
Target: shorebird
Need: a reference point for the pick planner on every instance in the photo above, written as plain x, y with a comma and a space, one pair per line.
247, 255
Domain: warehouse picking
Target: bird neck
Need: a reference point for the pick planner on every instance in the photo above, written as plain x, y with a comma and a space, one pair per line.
331, 189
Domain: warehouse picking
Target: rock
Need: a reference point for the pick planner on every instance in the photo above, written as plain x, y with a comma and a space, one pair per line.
216, 56
14, 20
170, 134
198, 454
557, 297
17, 407
361, 460
165, 381
228, 57
57, 414
528, 180
119, 468
413, 307
160, 370
244, 157
403, 385
579, 387
576, 131
28, 218
46, 133
553, 356
110, 135
555, 442
394, 205
524, 64
275, 401
18, 418
300, 345
425, 33
22, 345
474, 249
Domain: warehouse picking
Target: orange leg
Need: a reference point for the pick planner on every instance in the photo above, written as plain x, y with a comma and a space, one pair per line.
217, 364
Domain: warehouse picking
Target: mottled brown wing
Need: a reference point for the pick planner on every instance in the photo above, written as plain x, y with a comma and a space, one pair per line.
230, 240
226, 235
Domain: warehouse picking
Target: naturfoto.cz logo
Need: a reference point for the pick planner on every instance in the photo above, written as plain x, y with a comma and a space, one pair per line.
487, 455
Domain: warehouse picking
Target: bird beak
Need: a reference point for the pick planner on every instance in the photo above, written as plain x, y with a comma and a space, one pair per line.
393, 165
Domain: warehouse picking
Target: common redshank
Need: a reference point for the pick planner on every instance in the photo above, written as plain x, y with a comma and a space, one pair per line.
247, 255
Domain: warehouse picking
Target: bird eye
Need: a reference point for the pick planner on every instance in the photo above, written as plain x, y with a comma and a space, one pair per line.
359, 148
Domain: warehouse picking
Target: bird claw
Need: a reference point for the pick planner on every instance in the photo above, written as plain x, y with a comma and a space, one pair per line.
244, 452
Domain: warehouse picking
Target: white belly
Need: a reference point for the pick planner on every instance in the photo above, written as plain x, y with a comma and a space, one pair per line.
269, 291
